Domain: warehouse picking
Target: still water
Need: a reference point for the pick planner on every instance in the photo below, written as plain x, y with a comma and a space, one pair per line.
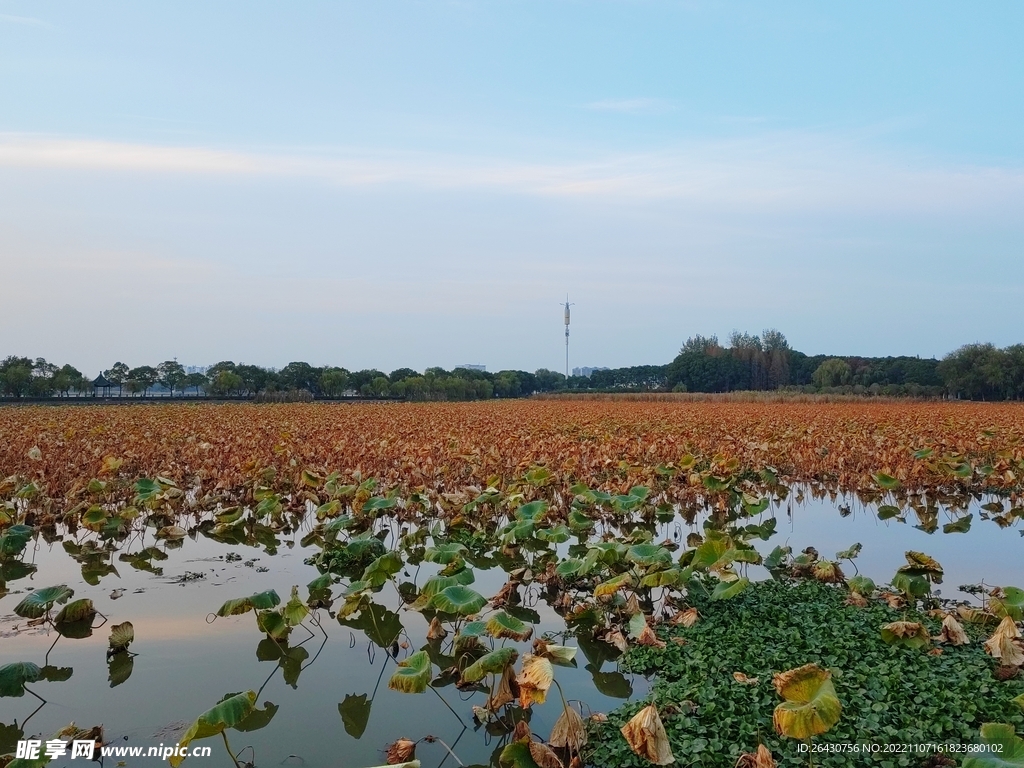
333, 704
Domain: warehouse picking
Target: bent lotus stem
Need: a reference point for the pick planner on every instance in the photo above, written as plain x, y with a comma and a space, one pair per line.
224, 735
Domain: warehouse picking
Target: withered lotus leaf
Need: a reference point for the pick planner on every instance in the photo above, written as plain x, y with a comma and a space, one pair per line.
646, 736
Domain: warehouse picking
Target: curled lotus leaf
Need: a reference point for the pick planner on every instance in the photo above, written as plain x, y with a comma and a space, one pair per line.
14, 676
953, 632
261, 601
886, 482
76, 610
920, 564
1004, 644
559, 654
810, 705
828, 572
457, 600
861, 585
493, 663
469, 636
413, 674
613, 585
121, 636
1008, 749
1011, 603
646, 736
909, 634
227, 714
39, 602
294, 611
569, 731
648, 554
444, 553
501, 625
534, 680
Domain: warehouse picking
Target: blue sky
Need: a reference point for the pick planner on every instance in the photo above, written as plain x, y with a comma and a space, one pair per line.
390, 184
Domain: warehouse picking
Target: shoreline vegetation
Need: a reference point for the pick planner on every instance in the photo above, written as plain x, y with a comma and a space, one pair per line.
746, 364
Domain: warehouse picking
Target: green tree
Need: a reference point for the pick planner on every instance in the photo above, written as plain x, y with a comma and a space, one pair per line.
833, 372
333, 381
16, 376
170, 374
195, 381
118, 374
68, 378
226, 382
142, 378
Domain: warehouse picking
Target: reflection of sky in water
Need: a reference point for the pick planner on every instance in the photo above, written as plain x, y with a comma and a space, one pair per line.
185, 665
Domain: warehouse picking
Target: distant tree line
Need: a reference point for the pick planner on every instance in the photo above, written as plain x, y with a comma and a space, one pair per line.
745, 362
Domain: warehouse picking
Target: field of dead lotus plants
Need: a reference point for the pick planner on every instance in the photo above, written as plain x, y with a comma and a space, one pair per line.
515, 584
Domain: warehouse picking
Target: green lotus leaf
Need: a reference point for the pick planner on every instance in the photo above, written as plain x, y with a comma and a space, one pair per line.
121, 636
94, 517
517, 755
711, 550
579, 521
493, 663
1019, 701
913, 586
383, 568
811, 706
378, 502
725, 589
469, 636
444, 553
558, 534
569, 567
1009, 748
531, 512
260, 602
777, 557
457, 599
501, 625
38, 603
227, 714
273, 623
13, 540
380, 625
75, 611
294, 611
861, 585
14, 676
1011, 605
886, 482
648, 554
637, 624
963, 525
53, 674
667, 578
413, 674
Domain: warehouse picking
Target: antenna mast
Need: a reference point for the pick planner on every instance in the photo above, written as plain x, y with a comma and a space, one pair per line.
567, 305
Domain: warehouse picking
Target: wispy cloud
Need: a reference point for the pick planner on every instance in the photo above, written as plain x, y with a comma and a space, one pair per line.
632, 106
26, 20
771, 173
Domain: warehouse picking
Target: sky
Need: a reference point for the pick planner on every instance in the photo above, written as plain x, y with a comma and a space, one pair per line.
395, 184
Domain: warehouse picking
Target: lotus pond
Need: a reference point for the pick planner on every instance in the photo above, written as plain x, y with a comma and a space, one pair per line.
340, 619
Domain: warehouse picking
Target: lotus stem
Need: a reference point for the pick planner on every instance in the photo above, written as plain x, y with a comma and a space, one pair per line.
224, 735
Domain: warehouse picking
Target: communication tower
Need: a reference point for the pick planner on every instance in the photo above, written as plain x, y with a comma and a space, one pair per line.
567, 305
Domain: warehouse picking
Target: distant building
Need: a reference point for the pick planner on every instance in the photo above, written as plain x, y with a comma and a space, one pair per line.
470, 367
587, 370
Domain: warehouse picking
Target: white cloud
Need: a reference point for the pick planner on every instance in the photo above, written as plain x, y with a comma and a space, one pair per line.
27, 20
645, 106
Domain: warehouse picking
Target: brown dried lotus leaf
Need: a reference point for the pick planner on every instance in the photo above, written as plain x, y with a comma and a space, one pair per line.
522, 731
633, 605
1003, 646
646, 736
953, 632
543, 756
436, 631
894, 601
569, 732
599, 717
856, 600
506, 691
616, 638
647, 637
402, 751
534, 680
739, 677
686, 618
762, 758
